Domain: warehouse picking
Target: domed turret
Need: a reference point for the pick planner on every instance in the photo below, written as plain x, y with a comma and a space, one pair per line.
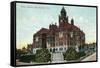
72, 21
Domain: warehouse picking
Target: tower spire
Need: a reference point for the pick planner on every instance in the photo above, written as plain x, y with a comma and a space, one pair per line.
63, 11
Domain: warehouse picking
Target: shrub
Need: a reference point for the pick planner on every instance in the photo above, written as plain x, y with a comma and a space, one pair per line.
70, 54
42, 55
27, 58
80, 54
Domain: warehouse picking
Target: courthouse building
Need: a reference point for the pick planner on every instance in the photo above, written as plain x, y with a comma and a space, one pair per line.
57, 38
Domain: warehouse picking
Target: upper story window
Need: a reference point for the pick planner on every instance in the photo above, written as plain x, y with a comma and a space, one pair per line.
71, 34
60, 34
83, 37
61, 20
37, 39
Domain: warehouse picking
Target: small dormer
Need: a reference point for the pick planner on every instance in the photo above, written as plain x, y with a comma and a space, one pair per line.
53, 26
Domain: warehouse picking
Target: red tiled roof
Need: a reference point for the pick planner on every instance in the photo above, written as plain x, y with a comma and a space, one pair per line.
70, 26
43, 30
66, 26
54, 30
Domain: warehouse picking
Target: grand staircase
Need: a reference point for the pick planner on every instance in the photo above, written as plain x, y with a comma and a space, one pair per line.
57, 58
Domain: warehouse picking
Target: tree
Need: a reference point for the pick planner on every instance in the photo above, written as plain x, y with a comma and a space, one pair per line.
21, 52
42, 55
18, 53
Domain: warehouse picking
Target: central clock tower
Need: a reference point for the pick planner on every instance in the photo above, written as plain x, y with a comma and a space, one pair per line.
62, 17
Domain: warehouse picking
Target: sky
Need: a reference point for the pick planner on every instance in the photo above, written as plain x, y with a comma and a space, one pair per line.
32, 17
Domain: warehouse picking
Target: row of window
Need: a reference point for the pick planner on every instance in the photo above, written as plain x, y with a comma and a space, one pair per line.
57, 49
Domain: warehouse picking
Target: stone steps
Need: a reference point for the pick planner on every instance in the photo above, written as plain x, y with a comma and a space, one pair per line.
57, 57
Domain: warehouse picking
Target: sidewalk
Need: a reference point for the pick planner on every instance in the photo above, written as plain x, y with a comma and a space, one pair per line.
90, 58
